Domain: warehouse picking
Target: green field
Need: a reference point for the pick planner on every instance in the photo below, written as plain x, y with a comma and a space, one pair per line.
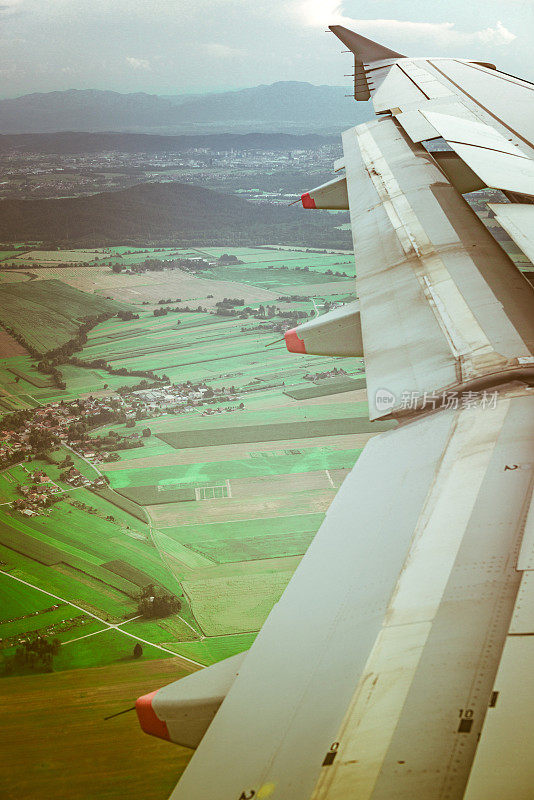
261, 464
277, 278
249, 540
101, 649
47, 313
215, 648
267, 433
238, 603
18, 600
334, 386
150, 495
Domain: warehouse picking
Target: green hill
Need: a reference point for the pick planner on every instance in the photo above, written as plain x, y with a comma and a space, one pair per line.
165, 213
46, 314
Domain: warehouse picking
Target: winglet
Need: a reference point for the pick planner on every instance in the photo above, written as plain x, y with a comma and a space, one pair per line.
148, 719
293, 342
364, 49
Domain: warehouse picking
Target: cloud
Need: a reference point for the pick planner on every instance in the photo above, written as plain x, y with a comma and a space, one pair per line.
498, 35
138, 63
321, 13
9, 6
220, 50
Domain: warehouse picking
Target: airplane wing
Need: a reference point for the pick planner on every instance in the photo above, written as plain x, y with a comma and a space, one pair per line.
406, 635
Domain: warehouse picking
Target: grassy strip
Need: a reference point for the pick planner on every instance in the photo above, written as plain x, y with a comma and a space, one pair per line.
28, 546
122, 501
40, 383
154, 495
337, 386
271, 433
130, 573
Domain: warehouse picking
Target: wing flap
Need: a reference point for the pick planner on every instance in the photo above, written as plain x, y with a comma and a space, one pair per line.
501, 99
431, 280
498, 162
395, 89
418, 127
517, 219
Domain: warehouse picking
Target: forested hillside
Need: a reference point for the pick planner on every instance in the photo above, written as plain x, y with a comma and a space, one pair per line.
166, 213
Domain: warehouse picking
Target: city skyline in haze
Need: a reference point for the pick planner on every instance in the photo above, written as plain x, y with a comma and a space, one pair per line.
177, 47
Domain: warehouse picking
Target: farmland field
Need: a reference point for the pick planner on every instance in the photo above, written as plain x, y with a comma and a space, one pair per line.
239, 602
215, 505
46, 313
334, 386
286, 430
75, 757
266, 433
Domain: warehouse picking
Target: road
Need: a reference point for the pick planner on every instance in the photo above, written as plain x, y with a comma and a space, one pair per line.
107, 625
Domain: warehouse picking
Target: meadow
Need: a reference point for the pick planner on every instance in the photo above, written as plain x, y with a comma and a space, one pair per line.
74, 752
46, 313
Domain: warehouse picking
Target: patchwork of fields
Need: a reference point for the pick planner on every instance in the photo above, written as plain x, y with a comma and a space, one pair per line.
217, 506
221, 502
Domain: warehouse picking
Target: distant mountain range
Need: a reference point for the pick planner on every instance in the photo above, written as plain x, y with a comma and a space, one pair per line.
77, 142
286, 107
165, 213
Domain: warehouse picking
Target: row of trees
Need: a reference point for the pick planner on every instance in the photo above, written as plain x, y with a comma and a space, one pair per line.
157, 265
100, 363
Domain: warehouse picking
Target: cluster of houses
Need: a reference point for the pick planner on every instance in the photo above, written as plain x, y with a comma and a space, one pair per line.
319, 376
37, 496
174, 398
208, 412
56, 420
60, 420
74, 477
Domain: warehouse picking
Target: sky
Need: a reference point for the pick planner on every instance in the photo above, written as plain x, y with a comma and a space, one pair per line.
195, 46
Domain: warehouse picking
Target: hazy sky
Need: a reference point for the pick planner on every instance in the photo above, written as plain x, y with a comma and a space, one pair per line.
175, 46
